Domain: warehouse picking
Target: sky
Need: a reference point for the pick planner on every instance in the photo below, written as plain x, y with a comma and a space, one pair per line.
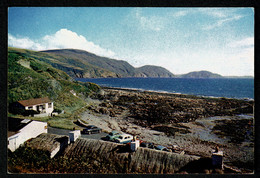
182, 40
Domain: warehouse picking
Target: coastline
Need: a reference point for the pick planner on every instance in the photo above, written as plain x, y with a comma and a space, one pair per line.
173, 93
196, 124
199, 87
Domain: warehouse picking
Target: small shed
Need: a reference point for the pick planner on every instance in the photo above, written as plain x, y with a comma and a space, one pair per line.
21, 130
135, 145
74, 135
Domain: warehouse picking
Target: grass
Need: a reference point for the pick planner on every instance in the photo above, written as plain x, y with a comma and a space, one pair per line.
39, 79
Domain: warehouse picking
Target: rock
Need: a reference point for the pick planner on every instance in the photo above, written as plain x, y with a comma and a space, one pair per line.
103, 111
112, 114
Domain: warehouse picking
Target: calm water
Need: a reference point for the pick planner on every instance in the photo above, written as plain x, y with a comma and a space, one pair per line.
224, 87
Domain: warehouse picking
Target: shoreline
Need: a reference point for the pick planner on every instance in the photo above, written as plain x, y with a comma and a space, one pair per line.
175, 119
199, 87
182, 95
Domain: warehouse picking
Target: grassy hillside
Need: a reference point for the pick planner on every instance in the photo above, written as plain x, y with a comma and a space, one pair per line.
119, 67
31, 78
74, 67
82, 64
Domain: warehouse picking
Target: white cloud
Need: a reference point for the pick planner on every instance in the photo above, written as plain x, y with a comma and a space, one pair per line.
242, 43
220, 16
215, 12
25, 43
61, 39
154, 23
220, 22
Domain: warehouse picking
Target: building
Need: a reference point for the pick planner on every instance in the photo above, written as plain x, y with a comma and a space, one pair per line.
44, 106
21, 130
74, 135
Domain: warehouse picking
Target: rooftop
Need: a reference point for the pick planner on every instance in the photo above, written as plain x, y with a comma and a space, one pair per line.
35, 101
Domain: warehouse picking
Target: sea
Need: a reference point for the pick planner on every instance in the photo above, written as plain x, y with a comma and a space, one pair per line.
239, 88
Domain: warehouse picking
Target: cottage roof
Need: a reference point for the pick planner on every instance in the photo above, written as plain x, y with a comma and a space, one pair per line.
35, 101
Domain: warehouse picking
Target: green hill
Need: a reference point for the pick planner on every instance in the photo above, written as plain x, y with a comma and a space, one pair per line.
200, 74
82, 64
153, 71
29, 78
72, 66
119, 68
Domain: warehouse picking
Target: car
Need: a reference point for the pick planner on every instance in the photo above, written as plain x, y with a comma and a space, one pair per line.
124, 138
112, 135
147, 145
162, 148
91, 129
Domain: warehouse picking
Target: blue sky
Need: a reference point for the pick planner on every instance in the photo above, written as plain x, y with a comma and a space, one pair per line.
220, 40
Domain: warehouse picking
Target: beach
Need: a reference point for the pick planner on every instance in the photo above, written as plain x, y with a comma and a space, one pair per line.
195, 124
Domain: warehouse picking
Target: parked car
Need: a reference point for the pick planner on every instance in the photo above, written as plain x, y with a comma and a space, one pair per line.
112, 135
91, 129
147, 145
124, 138
162, 148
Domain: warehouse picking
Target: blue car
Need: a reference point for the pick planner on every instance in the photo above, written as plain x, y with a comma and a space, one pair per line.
112, 135
162, 148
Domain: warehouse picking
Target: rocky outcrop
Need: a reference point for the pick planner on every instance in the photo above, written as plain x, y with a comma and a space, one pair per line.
150, 108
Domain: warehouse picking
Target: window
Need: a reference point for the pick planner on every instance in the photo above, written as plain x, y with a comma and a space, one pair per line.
30, 107
49, 105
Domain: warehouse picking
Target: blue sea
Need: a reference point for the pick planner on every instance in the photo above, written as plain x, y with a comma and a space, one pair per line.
240, 88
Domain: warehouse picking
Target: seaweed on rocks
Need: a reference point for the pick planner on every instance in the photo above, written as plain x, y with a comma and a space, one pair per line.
238, 130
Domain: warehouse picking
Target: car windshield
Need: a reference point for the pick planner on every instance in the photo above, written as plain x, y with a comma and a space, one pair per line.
160, 147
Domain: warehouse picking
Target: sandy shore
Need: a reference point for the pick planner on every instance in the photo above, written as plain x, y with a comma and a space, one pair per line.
187, 126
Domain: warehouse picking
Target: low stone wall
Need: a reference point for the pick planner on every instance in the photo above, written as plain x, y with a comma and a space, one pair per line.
83, 150
144, 160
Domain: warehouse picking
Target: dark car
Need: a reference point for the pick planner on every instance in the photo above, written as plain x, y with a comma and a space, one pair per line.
91, 129
147, 145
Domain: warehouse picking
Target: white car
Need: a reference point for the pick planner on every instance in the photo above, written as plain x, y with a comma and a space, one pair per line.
124, 138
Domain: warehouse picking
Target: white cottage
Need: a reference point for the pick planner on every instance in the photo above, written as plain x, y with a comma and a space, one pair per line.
42, 105
21, 130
